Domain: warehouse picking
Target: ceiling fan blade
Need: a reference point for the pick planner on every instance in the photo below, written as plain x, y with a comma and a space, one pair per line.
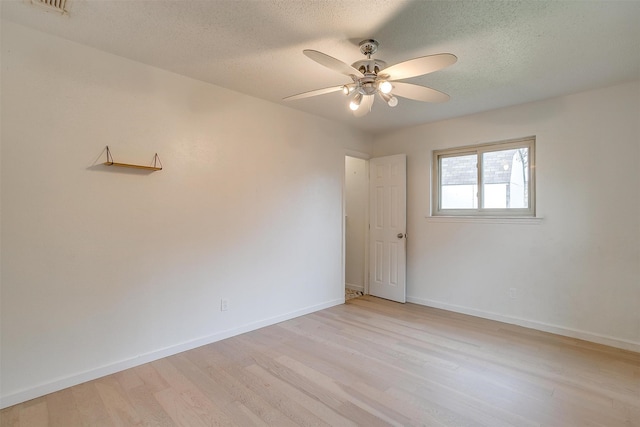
313, 93
419, 66
419, 93
365, 106
332, 63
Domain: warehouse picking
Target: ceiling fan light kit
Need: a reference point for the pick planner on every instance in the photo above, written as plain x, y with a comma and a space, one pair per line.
355, 102
391, 100
372, 76
385, 87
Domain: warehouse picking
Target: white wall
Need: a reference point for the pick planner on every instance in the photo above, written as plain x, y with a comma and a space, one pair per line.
577, 271
356, 207
106, 268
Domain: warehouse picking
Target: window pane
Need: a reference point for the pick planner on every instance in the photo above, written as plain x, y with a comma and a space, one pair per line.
505, 179
505, 186
459, 182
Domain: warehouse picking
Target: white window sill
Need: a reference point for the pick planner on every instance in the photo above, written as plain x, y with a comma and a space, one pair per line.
487, 219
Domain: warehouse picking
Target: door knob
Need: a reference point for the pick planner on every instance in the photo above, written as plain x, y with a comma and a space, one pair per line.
400, 235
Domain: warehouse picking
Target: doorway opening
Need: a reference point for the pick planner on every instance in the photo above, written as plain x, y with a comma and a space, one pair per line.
356, 226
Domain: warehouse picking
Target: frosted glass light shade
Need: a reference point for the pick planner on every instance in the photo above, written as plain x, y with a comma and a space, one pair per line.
385, 87
355, 102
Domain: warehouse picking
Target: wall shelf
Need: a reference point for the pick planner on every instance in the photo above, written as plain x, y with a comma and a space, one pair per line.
155, 167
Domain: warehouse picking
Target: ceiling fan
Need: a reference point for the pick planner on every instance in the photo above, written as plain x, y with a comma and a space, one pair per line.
371, 77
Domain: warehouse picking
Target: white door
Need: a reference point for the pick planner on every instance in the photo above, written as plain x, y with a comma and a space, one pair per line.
388, 220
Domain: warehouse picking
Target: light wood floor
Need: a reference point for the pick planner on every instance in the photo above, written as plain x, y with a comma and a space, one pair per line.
369, 362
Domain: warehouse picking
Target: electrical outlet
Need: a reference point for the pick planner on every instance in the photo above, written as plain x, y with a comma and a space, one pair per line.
513, 293
224, 304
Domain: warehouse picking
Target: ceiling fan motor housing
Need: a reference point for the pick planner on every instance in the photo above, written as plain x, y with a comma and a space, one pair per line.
367, 85
369, 67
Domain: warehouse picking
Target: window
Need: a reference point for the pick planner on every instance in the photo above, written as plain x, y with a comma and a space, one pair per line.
485, 180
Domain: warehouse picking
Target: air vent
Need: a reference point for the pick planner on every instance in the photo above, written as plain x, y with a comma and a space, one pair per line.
52, 5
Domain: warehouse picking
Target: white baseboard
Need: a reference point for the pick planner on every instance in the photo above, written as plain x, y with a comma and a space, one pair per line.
353, 287
532, 324
62, 383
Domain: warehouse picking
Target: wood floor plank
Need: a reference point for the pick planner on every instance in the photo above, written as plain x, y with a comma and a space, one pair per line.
251, 418
116, 402
63, 410
10, 417
148, 407
323, 412
191, 395
367, 362
346, 409
90, 406
290, 408
148, 375
235, 410
238, 391
129, 379
36, 414
334, 386
179, 410
444, 410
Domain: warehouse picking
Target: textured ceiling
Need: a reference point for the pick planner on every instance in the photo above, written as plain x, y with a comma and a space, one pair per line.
509, 52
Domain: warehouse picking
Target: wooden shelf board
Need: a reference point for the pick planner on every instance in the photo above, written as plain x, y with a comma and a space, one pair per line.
127, 165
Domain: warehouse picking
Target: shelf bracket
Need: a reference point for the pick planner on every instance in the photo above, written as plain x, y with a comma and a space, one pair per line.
155, 167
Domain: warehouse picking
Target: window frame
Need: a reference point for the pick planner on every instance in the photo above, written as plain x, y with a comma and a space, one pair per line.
478, 150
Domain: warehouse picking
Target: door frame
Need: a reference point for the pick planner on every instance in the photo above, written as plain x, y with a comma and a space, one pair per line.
366, 157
